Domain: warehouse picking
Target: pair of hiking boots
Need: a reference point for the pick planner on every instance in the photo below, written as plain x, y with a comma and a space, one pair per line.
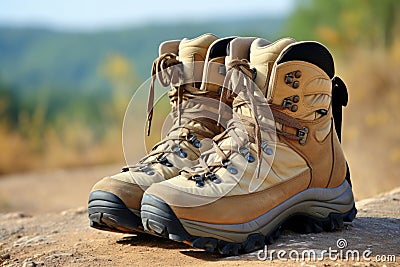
254, 148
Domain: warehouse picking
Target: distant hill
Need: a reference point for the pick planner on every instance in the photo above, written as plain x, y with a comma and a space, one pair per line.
33, 58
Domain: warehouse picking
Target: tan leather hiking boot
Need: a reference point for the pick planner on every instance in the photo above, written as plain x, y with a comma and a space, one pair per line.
279, 162
114, 202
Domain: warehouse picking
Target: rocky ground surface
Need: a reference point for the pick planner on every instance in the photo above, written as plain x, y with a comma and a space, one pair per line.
65, 239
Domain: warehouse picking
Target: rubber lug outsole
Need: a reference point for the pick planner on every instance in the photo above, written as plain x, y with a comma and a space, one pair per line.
158, 218
109, 213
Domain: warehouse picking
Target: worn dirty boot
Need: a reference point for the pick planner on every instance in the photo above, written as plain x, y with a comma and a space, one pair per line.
279, 162
114, 202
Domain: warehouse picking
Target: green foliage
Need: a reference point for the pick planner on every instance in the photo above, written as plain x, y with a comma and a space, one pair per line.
33, 58
372, 23
9, 105
63, 95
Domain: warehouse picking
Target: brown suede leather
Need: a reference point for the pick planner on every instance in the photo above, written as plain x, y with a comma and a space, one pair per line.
131, 194
322, 150
313, 82
241, 208
325, 158
339, 161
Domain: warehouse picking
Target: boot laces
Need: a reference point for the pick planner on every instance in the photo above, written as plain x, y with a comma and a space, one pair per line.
235, 132
168, 70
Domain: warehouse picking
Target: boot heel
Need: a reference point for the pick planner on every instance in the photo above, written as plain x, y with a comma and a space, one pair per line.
326, 213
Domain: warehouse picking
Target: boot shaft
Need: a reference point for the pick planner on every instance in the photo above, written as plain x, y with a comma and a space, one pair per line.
192, 53
214, 67
170, 46
301, 81
263, 56
301, 87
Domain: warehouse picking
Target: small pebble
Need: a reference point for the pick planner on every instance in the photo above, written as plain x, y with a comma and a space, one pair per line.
5, 256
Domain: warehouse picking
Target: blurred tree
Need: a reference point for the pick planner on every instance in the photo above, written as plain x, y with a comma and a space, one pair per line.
9, 105
121, 75
346, 23
32, 121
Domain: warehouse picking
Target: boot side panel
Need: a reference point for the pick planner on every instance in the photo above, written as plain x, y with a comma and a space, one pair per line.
324, 157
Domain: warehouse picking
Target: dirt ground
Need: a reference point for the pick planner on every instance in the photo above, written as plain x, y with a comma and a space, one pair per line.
51, 228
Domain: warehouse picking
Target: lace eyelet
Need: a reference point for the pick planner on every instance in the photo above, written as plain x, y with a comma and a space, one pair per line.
226, 162
232, 170
147, 170
269, 151
244, 151
264, 144
200, 183
190, 137
254, 74
211, 176
198, 179
164, 161
177, 149
249, 158
196, 144
143, 168
266, 149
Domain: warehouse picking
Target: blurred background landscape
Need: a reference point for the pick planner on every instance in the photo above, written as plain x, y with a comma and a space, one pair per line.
64, 89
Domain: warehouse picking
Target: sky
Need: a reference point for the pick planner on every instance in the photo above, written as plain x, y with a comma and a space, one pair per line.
106, 14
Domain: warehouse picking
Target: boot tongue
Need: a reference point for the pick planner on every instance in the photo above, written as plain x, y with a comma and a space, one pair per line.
214, 68
239, 48
192, 53
263, 54
171, 46
220, 54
